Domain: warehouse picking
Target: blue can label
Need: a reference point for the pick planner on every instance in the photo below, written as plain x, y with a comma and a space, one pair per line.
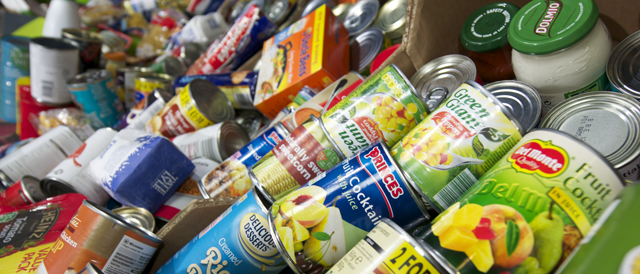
237, 242
327, 217
14, 63
230, 178
99, 101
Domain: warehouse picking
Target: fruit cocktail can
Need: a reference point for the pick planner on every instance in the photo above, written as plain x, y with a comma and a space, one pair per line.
317, 224
385, 107
457, 143
528, 212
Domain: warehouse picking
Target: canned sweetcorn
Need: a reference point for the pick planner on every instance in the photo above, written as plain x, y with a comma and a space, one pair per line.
319, 223
24, 192
238, 86
385, 107
216, 142
457, 143
529, 209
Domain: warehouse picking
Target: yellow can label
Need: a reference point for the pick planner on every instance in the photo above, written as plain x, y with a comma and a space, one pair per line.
186, 103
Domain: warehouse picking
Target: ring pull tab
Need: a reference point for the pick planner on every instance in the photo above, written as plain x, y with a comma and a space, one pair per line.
436, 96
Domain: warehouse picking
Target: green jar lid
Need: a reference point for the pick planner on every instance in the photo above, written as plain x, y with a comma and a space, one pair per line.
545, 26
486, 28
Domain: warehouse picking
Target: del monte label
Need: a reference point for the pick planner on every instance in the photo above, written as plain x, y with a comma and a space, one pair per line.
542, 158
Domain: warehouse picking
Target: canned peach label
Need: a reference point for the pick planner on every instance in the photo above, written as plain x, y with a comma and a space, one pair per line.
384, 108
528, 212
455, 144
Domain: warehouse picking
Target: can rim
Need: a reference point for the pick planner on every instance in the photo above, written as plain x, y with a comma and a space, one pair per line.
618, 55
280, 128
61, 185
77, 80
229, 114
527, 90
394, 29
456, 61
138, 212
375, 36
356, 10
154, 76
320, 124
279, 244
260, 200
497, 102
92, 269
120, 221
412, 88
32, 181
203, 190
258, 185
57, 44
5, 180
226, 128
82, 35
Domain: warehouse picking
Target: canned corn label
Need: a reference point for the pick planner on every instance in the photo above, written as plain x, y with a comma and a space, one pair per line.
457, 143
237, 242
529, 211
383, 108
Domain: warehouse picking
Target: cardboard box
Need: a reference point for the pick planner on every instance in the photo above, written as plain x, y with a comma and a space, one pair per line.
314, 52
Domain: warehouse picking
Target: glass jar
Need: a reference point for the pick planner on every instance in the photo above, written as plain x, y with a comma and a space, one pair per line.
561, 49
484, 38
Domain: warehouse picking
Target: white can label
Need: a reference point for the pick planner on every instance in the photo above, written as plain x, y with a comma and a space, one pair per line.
50, 70
130, 256
202, 143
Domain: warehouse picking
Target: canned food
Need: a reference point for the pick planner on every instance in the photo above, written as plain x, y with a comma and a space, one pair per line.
72, 176
89, 44
39, 156
200, 105
317, 224
99, 236
145, 84
238, 86
278, 10
137, 119
14, 64
216, 142
52, 62
303, 155
389, 249
126, 84
525, 212
364, 48
341, 10
237, 242
622, 66
436, 79
137, 217
521, 99
167, 64
189, 52
385, 107
95, 94
360, 16
252, 121
26, 191
392, 20
230, 178
312, 5
28, 106
607, 121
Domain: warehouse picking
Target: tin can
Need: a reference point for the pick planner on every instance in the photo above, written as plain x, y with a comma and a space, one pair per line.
126, 84
521, 99
239, 7
14, 64
621, 73
89, 44
279, 10
607, 121
435, 80
26, 191
365, 47
216, 142
39, 156
99, 236
341, 10
389, 249
230, 178
90, 269
28, 106
72, 176
238, 86
317, 224
385, 107
137, 217
516, 216
200, 105
146, 83
236, 242
392, 20
95, 94
457, 143
360, 16
252, 121
139, 120
188, 52
167, 64
303, 155
52, 62
312, 5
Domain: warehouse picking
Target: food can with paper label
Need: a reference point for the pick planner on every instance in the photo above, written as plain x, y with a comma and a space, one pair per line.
52, 62
216, 142
27, 191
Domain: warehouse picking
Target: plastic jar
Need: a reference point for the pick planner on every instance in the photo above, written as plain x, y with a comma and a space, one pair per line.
484, 38
560, 48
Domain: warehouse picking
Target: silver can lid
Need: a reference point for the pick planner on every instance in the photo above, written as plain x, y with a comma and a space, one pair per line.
31, 187
593, 117
365, 47
313, 5
623, 67
190, 52
89, 77
137, 216
278, 10
210, 101
173, 66
231, 139
393, 18
111, 216
521, 99
53, 187
341, 10
360, 16
437, 79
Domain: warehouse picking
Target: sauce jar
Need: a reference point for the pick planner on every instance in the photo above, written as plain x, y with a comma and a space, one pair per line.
484, 38
561, 48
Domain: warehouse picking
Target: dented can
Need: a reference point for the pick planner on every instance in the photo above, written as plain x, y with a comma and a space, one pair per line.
24, 192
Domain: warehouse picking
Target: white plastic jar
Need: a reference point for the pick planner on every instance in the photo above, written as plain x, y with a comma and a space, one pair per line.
560, 48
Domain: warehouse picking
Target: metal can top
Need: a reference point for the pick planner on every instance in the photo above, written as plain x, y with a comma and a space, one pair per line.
361, 15
593, 117
173, 66
108, 214
82, 35
368, 44
392, 18
137, 216
16, 41
445, 73
313, 5
155, 77
53, 187
31, 187
190, 52
231, 138
209, 100
53, 43
278, 10
89, 77
341, 10
623, 67
521, 99
134, 69
516, 123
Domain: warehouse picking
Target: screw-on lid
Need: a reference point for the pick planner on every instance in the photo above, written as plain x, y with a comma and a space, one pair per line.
486, 28
545, 26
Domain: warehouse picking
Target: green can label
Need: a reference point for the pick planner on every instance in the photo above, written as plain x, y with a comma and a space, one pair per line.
457, 143
383, 108
529, 211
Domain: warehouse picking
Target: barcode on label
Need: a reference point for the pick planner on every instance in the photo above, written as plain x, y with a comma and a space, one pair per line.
243, 100
47, 88
458, 186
